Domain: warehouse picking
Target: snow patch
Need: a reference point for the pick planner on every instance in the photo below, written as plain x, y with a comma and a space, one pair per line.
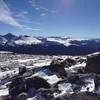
90, 85
65, 88
4, 92
49, 76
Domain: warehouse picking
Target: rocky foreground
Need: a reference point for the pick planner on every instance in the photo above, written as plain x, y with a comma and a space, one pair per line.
32, 77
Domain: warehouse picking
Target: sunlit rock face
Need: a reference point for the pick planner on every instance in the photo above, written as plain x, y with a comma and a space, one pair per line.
93, 63
58, 66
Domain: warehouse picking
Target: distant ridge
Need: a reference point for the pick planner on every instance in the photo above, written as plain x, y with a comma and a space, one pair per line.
48, 45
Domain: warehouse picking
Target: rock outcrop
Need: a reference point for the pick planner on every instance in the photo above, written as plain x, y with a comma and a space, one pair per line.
37, 83
22, 70
17, 86
22, 88
93, 63
58, 67
62, 79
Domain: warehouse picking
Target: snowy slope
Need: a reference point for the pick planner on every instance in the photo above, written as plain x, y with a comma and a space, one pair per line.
63, 41
67, 41
27, 41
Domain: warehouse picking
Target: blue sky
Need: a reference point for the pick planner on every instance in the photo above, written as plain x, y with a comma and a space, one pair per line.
74, 18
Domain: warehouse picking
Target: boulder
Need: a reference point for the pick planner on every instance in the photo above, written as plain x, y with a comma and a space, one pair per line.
17, 86
22, 70
93, 63
36, 83
75, 79
70, 61
58, 67
46, 93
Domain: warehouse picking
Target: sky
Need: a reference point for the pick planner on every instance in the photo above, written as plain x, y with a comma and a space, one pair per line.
72, 18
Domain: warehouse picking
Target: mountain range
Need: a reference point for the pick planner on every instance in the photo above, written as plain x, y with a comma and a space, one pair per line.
48, 45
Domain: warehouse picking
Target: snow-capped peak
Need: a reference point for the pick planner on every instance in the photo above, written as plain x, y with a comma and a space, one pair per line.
28, 41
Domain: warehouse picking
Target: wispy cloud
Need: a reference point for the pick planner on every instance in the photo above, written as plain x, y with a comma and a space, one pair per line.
16, 20
39, 7
22, 17
32, 29
43, 14
22, 14
53, 11
6, 17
